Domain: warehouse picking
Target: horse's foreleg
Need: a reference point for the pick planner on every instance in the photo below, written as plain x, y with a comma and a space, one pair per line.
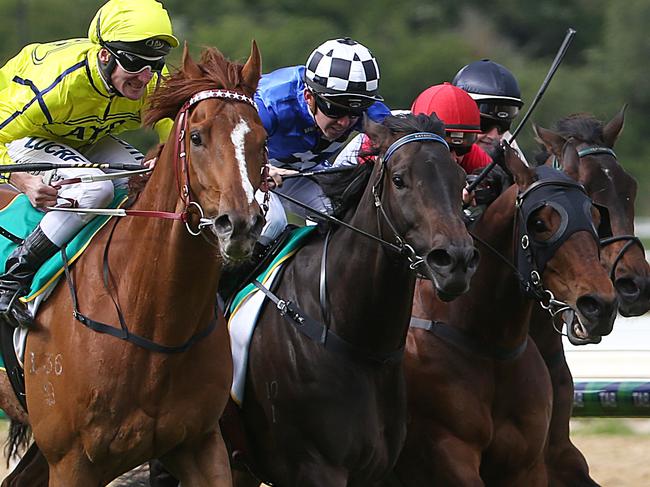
75, 470
202, 464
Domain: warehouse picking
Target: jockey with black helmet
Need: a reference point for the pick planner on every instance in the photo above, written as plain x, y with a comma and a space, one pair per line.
63, 102
497, 94
309, 112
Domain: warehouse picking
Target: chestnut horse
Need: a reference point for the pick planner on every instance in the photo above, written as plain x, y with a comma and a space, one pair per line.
331, 412
478, 389
112, 404
609, 185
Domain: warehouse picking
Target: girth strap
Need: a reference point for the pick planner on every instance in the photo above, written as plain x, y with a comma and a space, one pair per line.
123, 332
319, 333
466, 342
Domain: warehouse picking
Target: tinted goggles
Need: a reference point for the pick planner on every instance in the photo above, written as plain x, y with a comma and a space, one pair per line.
335, 111
460, 138
498, 111
487, 124
134, 64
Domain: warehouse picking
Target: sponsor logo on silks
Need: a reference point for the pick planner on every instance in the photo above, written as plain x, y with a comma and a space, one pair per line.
55, 149
154, 43
89, 134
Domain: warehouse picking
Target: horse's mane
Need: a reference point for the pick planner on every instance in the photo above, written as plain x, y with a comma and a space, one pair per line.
345, 190
579, 126
216, 72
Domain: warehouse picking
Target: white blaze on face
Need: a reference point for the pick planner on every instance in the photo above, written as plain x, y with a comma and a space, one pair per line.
238, 138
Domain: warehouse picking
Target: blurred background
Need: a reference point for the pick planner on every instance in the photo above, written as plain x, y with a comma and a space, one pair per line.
418, 43
423, 42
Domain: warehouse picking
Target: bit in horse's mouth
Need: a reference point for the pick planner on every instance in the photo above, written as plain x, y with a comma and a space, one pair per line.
576, 331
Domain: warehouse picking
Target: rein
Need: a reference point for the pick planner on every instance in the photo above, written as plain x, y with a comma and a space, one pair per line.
630, 240
182, 171
181, 167
319, 332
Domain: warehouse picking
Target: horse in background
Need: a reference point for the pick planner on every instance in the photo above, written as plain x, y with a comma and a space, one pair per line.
609, 185
112, 405
478, 389
323, 416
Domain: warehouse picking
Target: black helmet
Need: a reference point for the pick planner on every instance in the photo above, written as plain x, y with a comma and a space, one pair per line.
493, 87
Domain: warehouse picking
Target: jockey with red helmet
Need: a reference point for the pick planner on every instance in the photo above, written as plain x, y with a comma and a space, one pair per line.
462, 122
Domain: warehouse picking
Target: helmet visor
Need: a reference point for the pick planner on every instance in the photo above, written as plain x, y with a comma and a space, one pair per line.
460, 142
502, 126
134, 64
498, 111
335, 111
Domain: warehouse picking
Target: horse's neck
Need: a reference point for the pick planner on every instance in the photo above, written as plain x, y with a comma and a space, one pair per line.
494, 309
160, 259
370, 286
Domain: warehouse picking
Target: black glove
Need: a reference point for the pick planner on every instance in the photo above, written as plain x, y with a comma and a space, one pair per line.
496, 181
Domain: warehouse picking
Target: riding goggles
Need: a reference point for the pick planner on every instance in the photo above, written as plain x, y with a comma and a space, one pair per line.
456, 139
336, 111
134, 64
498, 111
487, 124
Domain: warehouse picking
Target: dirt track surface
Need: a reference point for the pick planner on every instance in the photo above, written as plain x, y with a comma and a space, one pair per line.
617, 461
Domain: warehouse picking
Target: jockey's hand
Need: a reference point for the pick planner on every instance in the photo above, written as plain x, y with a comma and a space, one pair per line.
468, 198
138, 181
276, 174
40, 195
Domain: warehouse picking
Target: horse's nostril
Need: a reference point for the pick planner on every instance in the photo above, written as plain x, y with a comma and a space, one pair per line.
439, 258
627, 288
223, 225
588, 306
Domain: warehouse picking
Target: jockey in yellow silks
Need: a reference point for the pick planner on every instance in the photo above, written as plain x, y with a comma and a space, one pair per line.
64, 102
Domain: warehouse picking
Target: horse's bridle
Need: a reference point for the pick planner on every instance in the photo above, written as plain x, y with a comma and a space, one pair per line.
403, 247
182, 177
182, 161
630, 240
318, 331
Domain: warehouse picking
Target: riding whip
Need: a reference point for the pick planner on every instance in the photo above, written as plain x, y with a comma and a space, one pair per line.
551, 72
49, 166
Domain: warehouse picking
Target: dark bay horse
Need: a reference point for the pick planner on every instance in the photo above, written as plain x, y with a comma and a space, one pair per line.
609, 185
332, 413
109, 405
478, 390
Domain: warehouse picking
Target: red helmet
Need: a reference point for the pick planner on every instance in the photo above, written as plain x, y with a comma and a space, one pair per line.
452, 105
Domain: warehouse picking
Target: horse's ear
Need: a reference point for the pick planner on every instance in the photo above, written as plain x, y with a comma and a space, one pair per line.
523, 175
252, 70
190, 68
571, 161
379, 134
553, 142
614, 127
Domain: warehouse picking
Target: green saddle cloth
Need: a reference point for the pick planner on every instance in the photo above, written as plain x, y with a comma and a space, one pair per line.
20, 218
294, 242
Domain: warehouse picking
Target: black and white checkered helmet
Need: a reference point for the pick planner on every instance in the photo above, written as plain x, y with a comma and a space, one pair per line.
344, 71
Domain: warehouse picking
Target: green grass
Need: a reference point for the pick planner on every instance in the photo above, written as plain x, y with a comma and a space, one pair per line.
610, 426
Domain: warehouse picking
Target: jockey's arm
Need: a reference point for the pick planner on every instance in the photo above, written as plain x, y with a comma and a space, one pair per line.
17, 122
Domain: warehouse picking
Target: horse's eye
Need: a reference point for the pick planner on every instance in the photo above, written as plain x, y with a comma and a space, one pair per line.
195, 137
398, 181
538, 225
